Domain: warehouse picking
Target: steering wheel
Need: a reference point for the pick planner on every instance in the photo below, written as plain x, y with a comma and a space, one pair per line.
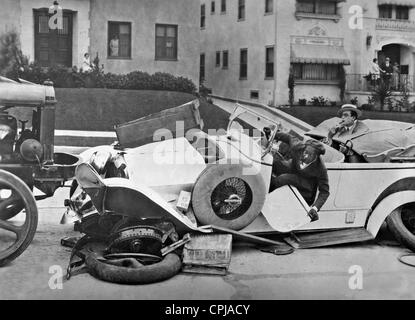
270, 142
346, 147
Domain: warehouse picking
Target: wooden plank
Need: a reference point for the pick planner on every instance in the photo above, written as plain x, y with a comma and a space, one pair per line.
328, 238
247, 237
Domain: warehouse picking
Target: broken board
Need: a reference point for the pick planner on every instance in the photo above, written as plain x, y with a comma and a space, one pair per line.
328, 238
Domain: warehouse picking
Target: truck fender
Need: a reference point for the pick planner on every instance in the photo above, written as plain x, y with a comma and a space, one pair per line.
385, 207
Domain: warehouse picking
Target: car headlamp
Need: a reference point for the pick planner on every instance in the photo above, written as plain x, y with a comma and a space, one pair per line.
5, 131
99, 161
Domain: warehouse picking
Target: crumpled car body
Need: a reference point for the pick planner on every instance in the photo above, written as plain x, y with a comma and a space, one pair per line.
221, 172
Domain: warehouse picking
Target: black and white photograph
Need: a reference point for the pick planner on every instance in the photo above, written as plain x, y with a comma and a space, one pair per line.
220, 152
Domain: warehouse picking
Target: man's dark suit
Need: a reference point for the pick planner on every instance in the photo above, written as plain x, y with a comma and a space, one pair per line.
308, 180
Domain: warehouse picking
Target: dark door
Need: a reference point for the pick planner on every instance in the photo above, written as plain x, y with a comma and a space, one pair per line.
53, 46
393, 51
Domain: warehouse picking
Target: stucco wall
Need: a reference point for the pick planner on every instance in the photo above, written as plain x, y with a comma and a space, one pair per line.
224, 32
81, 26
143, 16
9, 16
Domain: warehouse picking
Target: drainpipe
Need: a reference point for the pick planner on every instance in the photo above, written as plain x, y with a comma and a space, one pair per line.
275, 53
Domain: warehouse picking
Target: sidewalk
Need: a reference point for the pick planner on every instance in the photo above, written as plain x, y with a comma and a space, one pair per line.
76, 138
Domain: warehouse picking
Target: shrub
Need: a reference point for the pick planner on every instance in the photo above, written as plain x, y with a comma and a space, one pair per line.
302, 102
333, 103
354, 101
381, 94
319, 101
367, 107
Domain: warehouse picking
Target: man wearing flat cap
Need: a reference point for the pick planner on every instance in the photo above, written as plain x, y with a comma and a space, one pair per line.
349, 126
305, 171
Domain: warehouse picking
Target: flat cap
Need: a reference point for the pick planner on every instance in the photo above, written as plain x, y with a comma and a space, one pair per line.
321, 150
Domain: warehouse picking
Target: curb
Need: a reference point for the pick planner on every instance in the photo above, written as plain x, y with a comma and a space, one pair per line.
76, 138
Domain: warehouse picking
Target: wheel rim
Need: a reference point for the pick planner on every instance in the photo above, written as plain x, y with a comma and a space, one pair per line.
15, 234
231, 198
10, 204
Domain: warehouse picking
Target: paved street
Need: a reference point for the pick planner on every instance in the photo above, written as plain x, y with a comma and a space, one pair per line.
305, 274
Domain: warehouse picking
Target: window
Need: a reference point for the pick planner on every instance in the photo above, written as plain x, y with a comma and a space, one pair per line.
202, 68
311, 71
402, 13
225, 60
166, 42
202, 16
241, 9
223, 6
212, 7
243, 68
385, 12
254, 94
269, 6
218, 58
269, 62
325, 7
119, 40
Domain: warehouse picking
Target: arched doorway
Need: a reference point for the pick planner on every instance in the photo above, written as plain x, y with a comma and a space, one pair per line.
404, 56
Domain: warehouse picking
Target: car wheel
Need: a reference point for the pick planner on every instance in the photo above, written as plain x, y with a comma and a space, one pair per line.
15, 234
226, 197
401, 222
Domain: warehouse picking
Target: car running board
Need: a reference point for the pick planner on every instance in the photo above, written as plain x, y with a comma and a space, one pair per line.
327, 238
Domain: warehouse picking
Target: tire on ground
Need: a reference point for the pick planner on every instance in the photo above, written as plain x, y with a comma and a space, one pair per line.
399, 230
163, 270
215, 176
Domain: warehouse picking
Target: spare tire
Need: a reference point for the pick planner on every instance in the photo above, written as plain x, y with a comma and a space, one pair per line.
225, 196
401, 223
163, 270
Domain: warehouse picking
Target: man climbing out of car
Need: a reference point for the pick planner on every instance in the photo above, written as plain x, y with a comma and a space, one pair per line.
305, 170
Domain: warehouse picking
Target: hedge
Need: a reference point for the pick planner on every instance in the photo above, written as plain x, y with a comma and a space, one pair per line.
63, 77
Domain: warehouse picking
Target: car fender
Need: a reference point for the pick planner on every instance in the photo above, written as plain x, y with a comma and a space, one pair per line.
86, 155
385, 207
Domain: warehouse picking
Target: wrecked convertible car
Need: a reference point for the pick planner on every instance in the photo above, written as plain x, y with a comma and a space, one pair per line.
198, 182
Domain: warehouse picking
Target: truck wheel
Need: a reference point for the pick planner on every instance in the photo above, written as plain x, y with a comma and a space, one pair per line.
226, 197
401, 223
16, 235
11, 204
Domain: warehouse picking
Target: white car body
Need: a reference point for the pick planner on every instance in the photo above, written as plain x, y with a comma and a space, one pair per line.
362, 195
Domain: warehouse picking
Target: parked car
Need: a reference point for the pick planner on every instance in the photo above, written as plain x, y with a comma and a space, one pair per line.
228, 178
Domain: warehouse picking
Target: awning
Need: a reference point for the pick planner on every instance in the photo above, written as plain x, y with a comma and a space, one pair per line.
409, 3
305, 53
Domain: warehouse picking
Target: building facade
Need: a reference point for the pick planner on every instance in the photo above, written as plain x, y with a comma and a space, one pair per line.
322, 45
146, 35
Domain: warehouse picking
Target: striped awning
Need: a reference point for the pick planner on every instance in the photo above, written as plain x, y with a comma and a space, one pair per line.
409, 3
305, 53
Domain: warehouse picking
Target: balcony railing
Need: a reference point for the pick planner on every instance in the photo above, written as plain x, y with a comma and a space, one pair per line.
364, 82
395, 25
